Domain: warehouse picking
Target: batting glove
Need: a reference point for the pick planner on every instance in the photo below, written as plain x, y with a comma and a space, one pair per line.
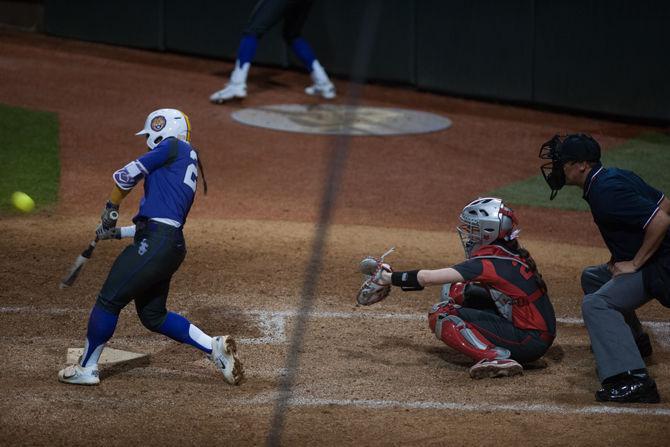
109, 216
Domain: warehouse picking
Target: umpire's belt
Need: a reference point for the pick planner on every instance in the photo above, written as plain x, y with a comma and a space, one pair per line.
151, 226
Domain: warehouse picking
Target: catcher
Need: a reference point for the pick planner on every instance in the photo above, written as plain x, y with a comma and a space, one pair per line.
494, 307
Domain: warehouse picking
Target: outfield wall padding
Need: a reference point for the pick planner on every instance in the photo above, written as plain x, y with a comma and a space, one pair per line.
610, 56
119, 22
595, 56
481, 48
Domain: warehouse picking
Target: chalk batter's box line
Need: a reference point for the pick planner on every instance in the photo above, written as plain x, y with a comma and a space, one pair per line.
298, 401
273, 323
373, 404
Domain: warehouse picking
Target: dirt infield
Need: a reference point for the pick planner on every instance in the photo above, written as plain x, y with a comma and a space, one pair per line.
372, 376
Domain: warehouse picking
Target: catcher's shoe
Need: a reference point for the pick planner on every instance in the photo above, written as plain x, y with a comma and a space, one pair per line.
224, 356
495, 368
79, 375
232, 90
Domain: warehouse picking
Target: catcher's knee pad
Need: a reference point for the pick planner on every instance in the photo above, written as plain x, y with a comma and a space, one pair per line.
441, 308
152, 319
453, 292
464, 338
476, 292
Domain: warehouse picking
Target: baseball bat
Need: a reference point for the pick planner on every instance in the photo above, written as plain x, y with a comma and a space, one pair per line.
78, 265
85, 255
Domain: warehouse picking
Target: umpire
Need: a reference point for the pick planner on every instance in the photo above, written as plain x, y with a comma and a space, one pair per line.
633, 218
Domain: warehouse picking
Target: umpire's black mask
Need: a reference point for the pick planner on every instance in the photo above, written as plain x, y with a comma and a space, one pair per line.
576, 147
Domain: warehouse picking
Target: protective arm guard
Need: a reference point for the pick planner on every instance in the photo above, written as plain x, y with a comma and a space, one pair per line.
129, 175
407, 281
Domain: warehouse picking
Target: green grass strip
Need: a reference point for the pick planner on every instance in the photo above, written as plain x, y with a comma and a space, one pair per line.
30, 161
648, 155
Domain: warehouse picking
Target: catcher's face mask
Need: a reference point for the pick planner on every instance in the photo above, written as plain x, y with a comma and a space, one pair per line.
552, 171
470, 237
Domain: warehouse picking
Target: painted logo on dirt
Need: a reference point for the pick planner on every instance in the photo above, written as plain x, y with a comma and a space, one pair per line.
335, 119
158, 123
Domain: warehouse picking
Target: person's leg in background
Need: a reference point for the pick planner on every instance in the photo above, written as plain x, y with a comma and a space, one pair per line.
264, 16
295, 15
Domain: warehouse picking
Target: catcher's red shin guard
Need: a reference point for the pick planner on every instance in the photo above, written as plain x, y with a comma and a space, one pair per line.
456, 290
467, 340
443, 308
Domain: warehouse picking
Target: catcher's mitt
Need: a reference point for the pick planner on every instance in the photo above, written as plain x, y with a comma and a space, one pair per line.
374, 288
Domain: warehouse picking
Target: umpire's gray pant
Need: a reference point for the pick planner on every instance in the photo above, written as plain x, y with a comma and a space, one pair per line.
609, 314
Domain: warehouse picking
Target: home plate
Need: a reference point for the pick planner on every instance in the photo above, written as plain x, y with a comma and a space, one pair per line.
109, 356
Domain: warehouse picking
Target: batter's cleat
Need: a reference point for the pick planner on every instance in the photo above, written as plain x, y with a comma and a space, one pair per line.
629, 388
79, 375
495, 368
224, 356
230, 91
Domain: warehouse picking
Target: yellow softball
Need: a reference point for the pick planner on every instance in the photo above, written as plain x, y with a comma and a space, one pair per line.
23, 202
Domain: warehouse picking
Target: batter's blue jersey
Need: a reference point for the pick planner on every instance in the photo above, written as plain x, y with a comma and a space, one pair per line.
170, 173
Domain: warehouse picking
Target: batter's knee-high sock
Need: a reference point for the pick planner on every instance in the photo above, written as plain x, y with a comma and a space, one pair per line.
180, 329
304, 52
101, 326
247, 49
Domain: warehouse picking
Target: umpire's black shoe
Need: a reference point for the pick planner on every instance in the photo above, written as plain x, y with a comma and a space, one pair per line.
629, 388
643, 343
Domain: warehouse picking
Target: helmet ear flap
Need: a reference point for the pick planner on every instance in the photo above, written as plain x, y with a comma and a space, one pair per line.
508, 221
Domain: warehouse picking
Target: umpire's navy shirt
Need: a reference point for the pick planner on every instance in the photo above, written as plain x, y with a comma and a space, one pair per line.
622, 205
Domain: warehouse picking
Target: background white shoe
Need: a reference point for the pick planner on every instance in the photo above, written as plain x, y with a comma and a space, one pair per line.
322, 85
236, 88
224, 356
327, 90
495, 368
230, 91
78, 375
